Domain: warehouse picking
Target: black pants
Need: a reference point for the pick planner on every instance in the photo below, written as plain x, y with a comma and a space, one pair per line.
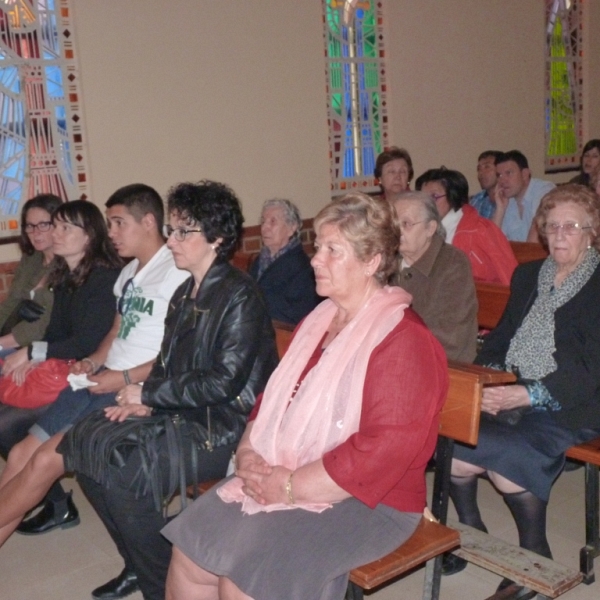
14, 427
134, 523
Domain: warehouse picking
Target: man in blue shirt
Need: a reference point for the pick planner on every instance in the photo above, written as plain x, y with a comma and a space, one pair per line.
518, 196
484, 201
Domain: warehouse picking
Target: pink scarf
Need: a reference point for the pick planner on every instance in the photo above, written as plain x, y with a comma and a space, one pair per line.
326, 409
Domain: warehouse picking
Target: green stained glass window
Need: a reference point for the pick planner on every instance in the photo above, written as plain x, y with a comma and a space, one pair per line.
564, 103
41, 130
356, 91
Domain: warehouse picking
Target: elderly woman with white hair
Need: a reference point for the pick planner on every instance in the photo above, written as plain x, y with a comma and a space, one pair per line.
283, 270
437, 275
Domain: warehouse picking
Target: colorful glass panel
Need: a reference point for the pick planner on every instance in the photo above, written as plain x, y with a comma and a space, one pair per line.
564, 99
356, 93
41, 132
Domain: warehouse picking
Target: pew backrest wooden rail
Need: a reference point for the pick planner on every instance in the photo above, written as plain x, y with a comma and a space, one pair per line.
492, 299
527, 251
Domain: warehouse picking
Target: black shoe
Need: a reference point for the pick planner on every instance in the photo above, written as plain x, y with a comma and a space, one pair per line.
452, 564
509, 590
124, 584
53, 515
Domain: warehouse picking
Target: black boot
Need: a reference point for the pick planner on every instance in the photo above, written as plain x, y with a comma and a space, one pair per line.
463, 491
121, 586
529, 513
61, 514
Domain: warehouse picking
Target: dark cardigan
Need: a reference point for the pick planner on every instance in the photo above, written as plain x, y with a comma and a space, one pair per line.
288, 285
576, 382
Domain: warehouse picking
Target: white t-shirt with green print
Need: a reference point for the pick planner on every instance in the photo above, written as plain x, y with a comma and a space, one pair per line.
144, 303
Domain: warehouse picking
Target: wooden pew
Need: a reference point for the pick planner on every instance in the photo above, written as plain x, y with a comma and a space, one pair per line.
528, 251
589, 454
491, 299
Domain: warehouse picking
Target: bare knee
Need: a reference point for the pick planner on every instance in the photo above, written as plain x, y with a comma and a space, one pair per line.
46, 462
187, 580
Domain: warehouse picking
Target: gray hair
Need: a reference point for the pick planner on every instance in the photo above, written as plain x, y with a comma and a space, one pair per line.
291, 213
429, 207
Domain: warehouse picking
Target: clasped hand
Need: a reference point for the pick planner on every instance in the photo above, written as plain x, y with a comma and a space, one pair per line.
129, 400
261, 482
504, 397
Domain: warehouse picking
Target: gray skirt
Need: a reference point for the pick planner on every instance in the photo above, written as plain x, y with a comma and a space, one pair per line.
292, 554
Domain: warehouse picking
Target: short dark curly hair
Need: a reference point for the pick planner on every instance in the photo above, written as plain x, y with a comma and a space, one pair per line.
454, 183
214, 207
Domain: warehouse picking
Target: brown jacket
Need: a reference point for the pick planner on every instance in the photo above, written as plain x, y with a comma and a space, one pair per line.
441, 283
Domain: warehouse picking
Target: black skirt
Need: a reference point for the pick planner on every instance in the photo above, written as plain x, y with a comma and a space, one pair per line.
530, 453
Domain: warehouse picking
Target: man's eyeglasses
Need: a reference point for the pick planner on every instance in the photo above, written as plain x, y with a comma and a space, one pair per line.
126, 297
568, 228
179, 233
42, 226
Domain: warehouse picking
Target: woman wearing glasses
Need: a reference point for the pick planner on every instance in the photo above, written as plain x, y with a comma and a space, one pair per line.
492, 259
182, 426
437, 275
31, 274
82, 274
548, 335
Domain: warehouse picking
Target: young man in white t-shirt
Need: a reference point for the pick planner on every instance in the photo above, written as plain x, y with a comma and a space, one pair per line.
135, 215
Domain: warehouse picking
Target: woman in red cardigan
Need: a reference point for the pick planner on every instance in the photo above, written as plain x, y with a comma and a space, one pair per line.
330, 473
491, 256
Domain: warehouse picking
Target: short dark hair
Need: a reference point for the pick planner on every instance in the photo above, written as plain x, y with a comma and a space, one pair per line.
495, 154
214, 207
454, 183
390, 154
516, 156
99, 251
47, 202
140, 199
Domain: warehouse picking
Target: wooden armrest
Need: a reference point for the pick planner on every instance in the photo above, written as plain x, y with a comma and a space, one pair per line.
485, 375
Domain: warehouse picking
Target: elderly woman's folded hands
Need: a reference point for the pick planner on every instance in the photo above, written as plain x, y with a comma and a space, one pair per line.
503, 397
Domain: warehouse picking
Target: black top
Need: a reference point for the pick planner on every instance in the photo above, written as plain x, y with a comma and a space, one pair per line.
288, 285
576, 382
81, 318
217, 354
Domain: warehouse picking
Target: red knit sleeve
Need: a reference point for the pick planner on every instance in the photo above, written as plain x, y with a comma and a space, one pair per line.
404, 390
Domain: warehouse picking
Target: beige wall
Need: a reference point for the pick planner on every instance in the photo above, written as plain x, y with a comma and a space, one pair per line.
234, 90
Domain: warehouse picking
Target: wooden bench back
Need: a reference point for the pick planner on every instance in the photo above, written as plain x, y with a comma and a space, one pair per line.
492, 299
528, 251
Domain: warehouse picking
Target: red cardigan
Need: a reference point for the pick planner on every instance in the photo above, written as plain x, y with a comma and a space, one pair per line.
492, 259
405, 388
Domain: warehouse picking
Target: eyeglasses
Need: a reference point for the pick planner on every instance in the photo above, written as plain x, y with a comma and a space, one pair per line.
126, 297
408, 225
42, 226
179, 233
436, 197
567, 228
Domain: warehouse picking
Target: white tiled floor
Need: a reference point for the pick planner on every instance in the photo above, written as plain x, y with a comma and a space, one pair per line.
67, 565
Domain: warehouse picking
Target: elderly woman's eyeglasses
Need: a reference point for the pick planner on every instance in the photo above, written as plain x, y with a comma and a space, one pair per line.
42, 226
179, 233
408, 225
567, 228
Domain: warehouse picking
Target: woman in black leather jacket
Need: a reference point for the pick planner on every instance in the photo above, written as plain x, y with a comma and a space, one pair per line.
184, 423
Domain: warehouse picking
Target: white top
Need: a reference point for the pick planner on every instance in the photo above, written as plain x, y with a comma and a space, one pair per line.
145, 308
450, 223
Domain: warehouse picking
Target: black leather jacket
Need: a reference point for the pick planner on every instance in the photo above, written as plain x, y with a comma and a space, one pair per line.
217, 354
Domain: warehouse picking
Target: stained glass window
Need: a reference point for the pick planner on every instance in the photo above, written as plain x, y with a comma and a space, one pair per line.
41, 131
564, 102
356, 91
